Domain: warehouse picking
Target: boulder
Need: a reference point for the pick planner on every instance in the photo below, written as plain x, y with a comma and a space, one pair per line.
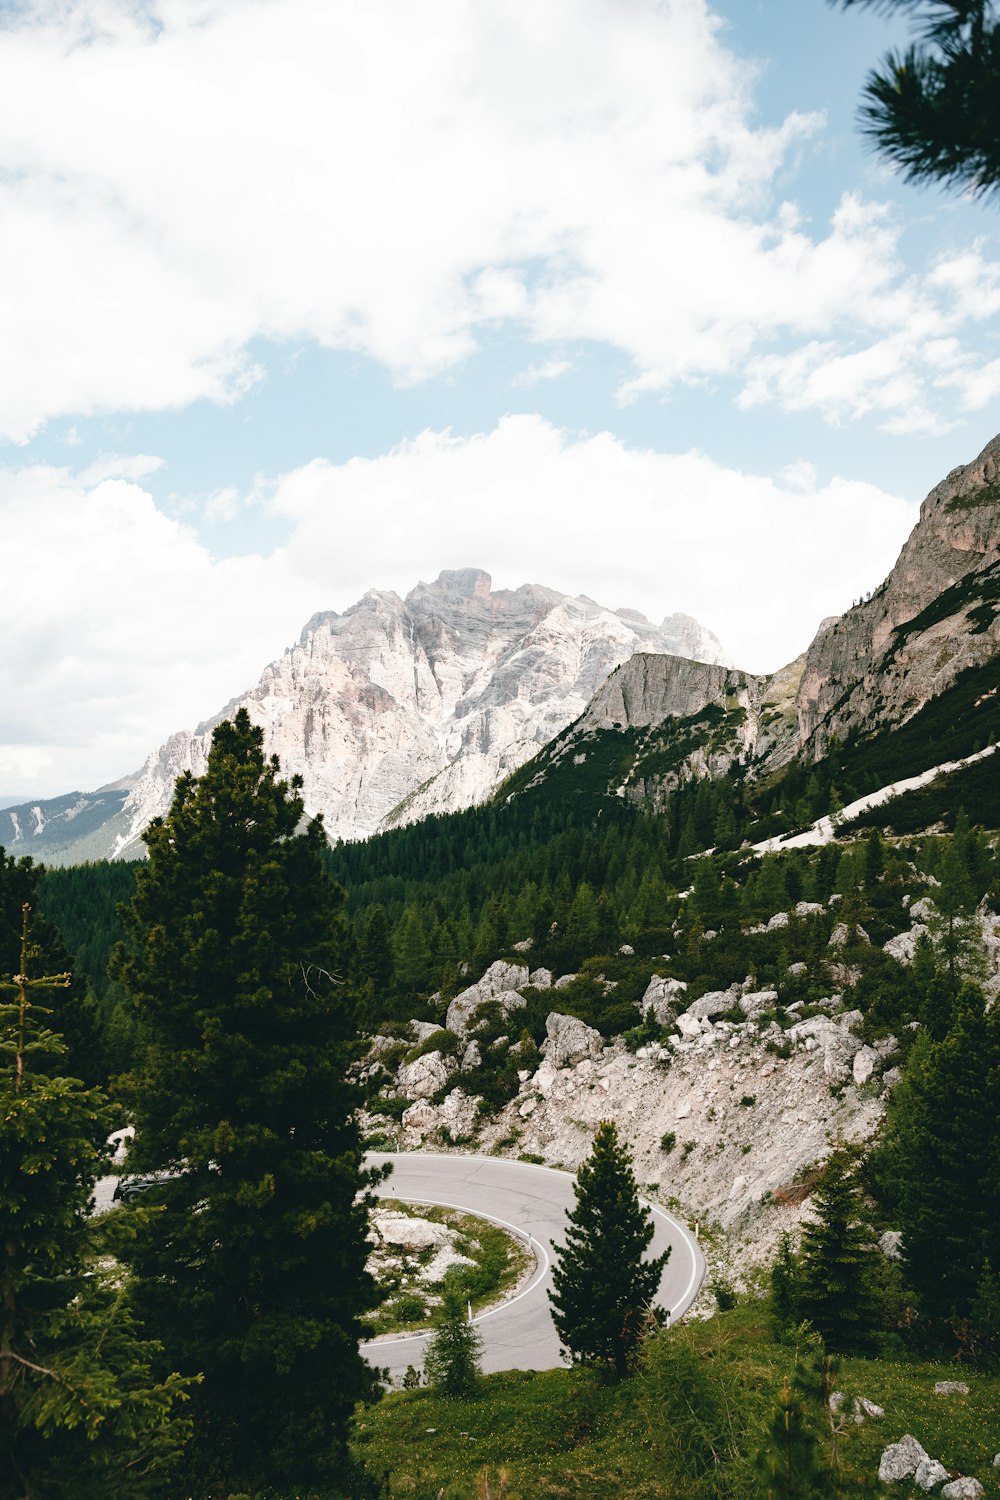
568, 1040
540, 979
866, 1061
903, 946
901, 1460
524, 946
841, 934
930, 1473
891, 1244
662, 997
626, 950
563, 981
421, 1030
757, 1001
891, 1077
780, 919
922, 910
689, 1027
963, 1489
423, 1077
715, 1003
951, 1388
472, 1057
807, 909
501, 978
459, 1112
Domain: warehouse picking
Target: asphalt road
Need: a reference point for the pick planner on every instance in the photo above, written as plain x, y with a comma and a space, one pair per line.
519, 1334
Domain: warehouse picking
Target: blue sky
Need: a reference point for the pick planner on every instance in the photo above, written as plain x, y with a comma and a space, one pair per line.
314, 296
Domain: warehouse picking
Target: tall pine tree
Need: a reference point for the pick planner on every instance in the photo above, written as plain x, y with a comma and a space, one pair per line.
603, 1289
81, 1413
253, 1272
838, 1289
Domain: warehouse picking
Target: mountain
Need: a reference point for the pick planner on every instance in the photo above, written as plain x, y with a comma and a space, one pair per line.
903, 681
396, 708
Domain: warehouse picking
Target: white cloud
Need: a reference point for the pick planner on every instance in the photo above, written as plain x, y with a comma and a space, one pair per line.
121, 466
201, 173
122, 628
536, 373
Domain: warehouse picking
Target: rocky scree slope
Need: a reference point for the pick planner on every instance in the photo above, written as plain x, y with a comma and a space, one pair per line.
727, 1113
402, 707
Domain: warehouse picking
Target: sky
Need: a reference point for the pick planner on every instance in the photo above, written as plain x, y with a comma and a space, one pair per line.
300, 298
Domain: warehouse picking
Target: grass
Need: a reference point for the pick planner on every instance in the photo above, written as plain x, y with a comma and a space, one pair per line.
499, 1264
686, 1428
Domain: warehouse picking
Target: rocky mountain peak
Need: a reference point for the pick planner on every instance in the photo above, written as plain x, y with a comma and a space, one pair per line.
400, 707
934, 616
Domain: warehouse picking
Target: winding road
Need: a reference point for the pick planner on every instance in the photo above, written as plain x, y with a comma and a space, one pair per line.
531, 1200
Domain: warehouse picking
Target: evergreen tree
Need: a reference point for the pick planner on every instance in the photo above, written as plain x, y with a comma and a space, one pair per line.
412, 952
375, 951
931, 110
839, 1263
603, 1289
943, 1140
253, 1271
80, 1412
451, 1363
784, 1289
792, 1464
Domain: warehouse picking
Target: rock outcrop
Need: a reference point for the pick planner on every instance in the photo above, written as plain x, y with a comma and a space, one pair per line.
402, 707
935, 614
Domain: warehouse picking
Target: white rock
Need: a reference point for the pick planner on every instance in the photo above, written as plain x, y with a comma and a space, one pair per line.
951, 1388
841, 934
500, 981
903, 946
780, 919
421, 1030
867, 1411
923, 910
528, 1107
900, 1460
662, 997
524, 946
930, 1472
891, 1077
963, 1489
563, 981
756, 1001
806, 909
626, 950
890, 1243
568, 1039
865, 1062
714, 1004
545, 1079
423, 1077
540, 979
472, 1057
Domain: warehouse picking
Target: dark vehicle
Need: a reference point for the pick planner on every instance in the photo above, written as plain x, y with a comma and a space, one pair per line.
128, 1189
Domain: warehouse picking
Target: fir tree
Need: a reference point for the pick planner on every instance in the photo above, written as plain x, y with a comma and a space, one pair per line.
943, 1141
451, 1363
603, 1289
80, 1412
839, 1263
253, 1272
375, 951
784, 1289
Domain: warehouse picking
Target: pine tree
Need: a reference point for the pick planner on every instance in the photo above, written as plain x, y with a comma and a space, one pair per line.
792, 1464
80, 1412
931, 110
411, 951
943, 1139
451, 1362
603, 1289
253, 1271
784, 1289
839, 1263
375, 952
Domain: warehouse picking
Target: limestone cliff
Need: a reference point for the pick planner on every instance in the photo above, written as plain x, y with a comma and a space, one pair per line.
935, 615
402, 707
